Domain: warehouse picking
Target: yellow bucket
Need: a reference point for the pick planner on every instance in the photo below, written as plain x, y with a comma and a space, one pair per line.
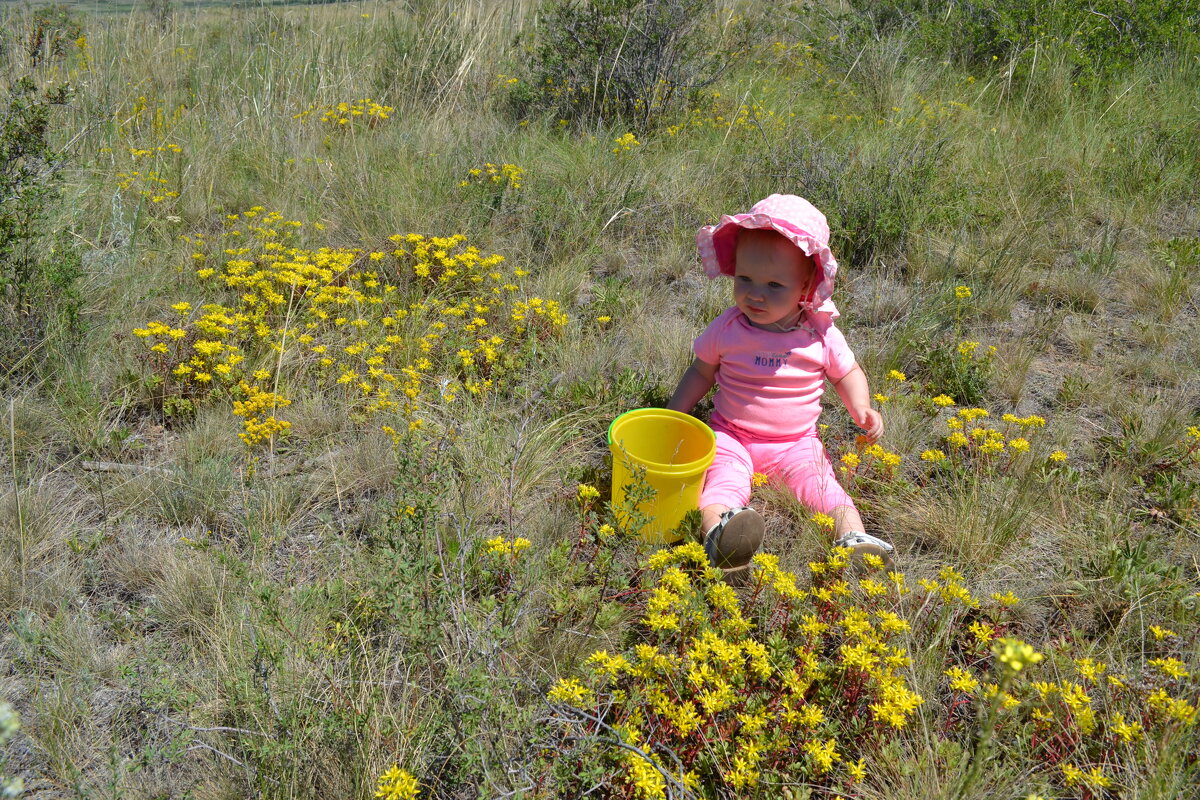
676, 449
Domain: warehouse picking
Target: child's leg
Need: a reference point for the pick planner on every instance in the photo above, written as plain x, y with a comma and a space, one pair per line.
730, 539
846, 519
727, 482
805, 468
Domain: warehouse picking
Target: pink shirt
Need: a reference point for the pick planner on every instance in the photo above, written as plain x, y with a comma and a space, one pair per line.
770, 383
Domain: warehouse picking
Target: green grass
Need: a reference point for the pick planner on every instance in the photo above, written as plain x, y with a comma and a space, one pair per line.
185, 616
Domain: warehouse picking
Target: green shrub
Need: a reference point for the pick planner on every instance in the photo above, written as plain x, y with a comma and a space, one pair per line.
37, 272
628, 60
873, 197
1098, 39
963, 372
46, 33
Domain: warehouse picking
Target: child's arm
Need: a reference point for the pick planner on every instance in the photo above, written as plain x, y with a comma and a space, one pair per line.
694, 384
856, 395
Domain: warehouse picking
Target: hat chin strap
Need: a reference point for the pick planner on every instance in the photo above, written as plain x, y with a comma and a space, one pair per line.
789, 323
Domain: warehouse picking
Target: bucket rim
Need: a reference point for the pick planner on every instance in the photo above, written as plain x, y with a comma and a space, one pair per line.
691, 467
660, 411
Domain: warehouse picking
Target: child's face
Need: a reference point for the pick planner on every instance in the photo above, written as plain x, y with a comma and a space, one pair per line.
771, 276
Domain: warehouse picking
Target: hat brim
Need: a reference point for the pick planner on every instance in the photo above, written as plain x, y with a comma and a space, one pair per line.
718, 247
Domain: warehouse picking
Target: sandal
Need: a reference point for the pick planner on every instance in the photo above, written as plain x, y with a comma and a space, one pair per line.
733, 541
863, 543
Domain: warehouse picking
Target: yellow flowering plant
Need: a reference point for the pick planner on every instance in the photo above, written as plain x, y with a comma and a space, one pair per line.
493, 186
397, 331
347, 114
500, 557
719, 691
397, 784
960, 368
1091, 722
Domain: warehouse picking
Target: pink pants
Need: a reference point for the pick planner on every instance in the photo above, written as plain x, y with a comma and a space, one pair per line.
801, 463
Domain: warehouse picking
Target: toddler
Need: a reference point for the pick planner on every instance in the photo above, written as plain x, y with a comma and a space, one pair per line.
769, 356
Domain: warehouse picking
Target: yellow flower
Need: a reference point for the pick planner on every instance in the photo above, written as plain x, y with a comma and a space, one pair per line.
1162, 633
943, 400
1072, 774
397, 784
586, 492
1175, 708
933, 455
1075, 697
983, 632
758, 479
1015, 654
991, 446
822, 521
1007, 701
823, 754
962, 292
1008, 599
1058, 456
1128, 731
851, 460
897, 375
810, 625
1097, 780
897, 704
873, 588
626, 143
1089, 669
570, 692
961, 680
1169, 666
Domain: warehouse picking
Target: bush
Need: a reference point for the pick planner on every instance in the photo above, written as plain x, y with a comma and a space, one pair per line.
961, 371
37, 274
627, 60
873, 198
1099, 39
47, 32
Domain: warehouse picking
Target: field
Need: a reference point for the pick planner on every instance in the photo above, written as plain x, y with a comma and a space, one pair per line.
313, 319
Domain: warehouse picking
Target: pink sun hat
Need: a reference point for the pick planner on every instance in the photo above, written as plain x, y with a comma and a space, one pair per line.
795, 218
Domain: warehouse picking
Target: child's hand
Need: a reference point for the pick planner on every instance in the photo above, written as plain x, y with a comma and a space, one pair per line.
870, 421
